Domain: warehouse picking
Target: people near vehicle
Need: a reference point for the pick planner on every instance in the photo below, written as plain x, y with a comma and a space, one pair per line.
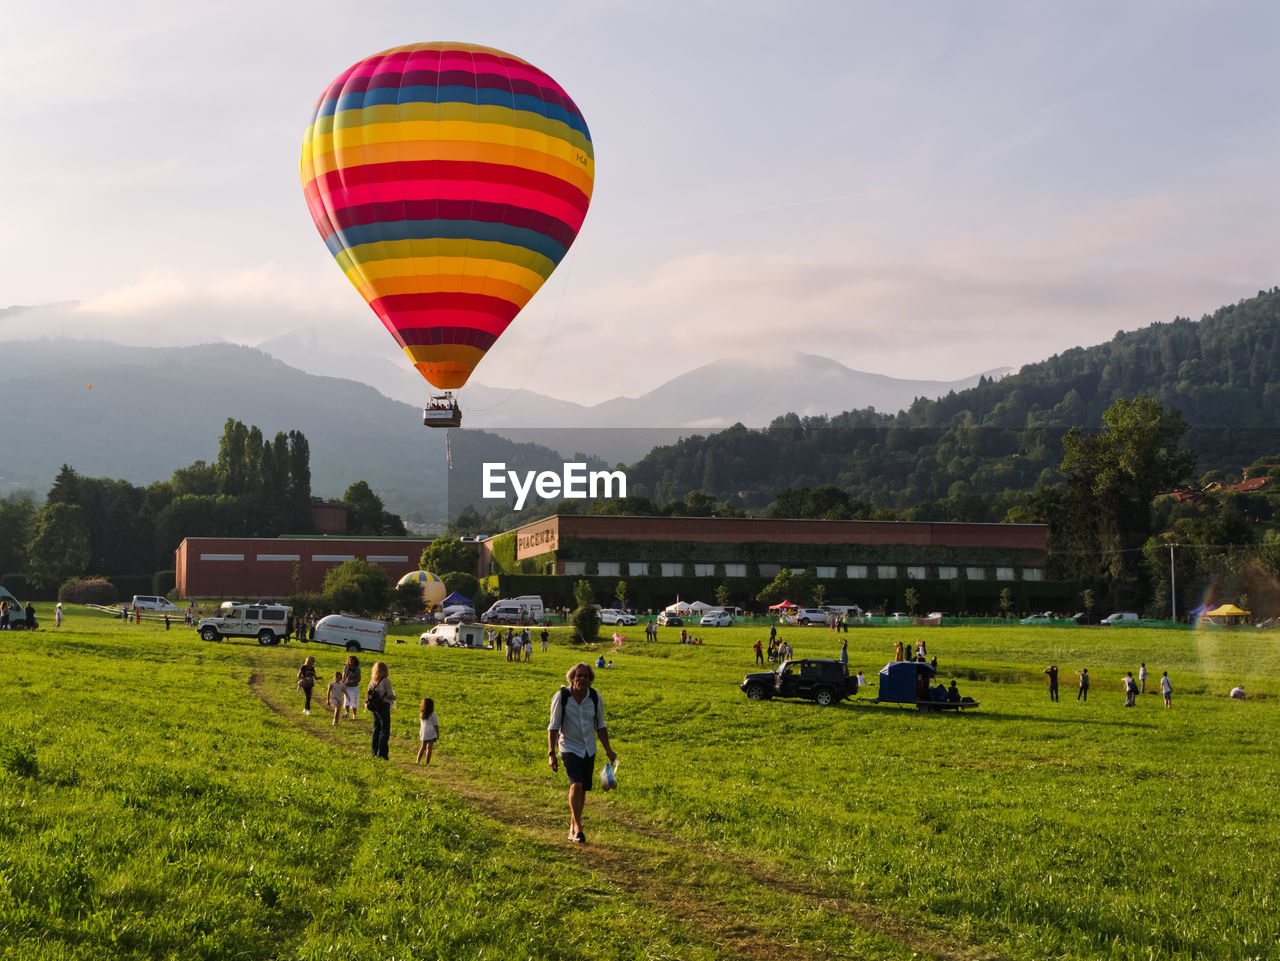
577, 722
428, 729
526, 640
306, 682
546, 639
920, 649
844, 654
378, 699
862, 682
953, 693
1052, 671
1130, 689
1083, 693
758, 647
351, 686
1166, 689
898, 654
1237, 693
4, 615
938, 692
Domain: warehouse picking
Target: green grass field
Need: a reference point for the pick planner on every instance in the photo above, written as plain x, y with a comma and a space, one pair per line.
161, 797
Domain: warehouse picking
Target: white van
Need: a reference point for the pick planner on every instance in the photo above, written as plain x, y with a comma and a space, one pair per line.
454, 635
525, 609
1122, 617
354, 633
148, 602
269, 623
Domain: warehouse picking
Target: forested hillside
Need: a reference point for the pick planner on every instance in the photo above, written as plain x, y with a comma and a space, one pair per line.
974, 454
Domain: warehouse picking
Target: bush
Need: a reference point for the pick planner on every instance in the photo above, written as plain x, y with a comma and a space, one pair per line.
88, 590
586, 624
164, 582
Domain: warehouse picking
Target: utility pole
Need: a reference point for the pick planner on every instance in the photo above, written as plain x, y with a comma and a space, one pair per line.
1173, 585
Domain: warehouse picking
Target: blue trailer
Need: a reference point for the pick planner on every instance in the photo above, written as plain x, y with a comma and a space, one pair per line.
911, 682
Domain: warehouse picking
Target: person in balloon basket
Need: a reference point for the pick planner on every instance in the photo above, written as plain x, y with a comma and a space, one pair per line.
577, 721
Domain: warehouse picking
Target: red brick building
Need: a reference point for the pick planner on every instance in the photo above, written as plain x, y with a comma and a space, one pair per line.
579, 545
256, 567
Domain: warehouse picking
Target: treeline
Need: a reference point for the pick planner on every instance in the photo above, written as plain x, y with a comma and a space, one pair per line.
256, 487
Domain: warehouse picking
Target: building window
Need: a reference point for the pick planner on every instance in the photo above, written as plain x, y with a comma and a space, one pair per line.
796, 570
856, 571
1032, 574
975, 573
735, 570
608, 568
827, 572
638, 569
886, 572
704, 570
916, 573
575, 568
1004, 573
673, 570
948, 573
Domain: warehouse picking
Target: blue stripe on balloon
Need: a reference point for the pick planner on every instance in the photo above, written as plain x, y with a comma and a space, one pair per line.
483, 96
391, 230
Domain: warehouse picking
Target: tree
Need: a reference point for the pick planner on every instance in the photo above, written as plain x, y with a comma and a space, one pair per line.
448, 555
60, 549
17, 523
620, 595
365, 514
722, 595
1006, 600
911, 598
586, 618
357, 586
1112, 477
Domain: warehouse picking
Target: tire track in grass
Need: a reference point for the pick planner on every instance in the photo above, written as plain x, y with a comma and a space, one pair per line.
680, 878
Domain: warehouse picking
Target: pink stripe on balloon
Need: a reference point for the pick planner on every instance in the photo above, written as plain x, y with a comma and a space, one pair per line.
481, 192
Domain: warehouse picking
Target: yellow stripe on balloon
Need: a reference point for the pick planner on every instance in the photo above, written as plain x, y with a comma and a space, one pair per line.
488, 286
452, 266
571, 171
352, 147
354, 258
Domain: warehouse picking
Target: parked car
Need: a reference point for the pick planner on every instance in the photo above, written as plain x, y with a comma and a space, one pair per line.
810, 615
268, 623
824, 680
716, 619
611, 617
1121, 617
668, 619
149, 602
459, 614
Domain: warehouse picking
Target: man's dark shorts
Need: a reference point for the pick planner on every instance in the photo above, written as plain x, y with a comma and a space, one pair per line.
579, 768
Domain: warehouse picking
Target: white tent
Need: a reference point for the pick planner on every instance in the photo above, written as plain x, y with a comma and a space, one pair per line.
700, 608
679, 607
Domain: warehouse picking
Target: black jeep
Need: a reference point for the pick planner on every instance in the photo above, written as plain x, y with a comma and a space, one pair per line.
824, 680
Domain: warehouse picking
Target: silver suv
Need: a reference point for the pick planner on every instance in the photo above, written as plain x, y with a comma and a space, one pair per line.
810, 615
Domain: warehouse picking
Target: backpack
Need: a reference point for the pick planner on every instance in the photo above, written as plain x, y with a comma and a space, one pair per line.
564, 693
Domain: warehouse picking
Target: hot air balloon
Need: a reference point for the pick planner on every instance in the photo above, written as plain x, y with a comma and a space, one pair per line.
433, 589
448, 180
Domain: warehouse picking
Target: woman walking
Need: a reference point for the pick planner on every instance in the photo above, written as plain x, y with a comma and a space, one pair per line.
378, 699
307, 681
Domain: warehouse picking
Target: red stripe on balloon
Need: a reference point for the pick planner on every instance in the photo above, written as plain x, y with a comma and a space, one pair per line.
406, 305
423, 191
336, 181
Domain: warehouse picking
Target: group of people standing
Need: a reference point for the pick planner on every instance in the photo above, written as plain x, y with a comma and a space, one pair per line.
1132, 687
343, 696
515, 644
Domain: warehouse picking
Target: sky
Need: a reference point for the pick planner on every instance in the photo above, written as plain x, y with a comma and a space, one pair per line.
919, 189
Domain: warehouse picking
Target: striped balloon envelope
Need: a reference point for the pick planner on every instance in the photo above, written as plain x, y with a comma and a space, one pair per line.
448, 180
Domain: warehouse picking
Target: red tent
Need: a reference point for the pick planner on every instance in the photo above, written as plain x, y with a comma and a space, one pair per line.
779, 606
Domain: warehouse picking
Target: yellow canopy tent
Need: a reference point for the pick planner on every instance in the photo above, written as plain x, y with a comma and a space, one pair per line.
1229, 614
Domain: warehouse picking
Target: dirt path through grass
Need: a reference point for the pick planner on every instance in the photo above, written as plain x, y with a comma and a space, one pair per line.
698, 885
